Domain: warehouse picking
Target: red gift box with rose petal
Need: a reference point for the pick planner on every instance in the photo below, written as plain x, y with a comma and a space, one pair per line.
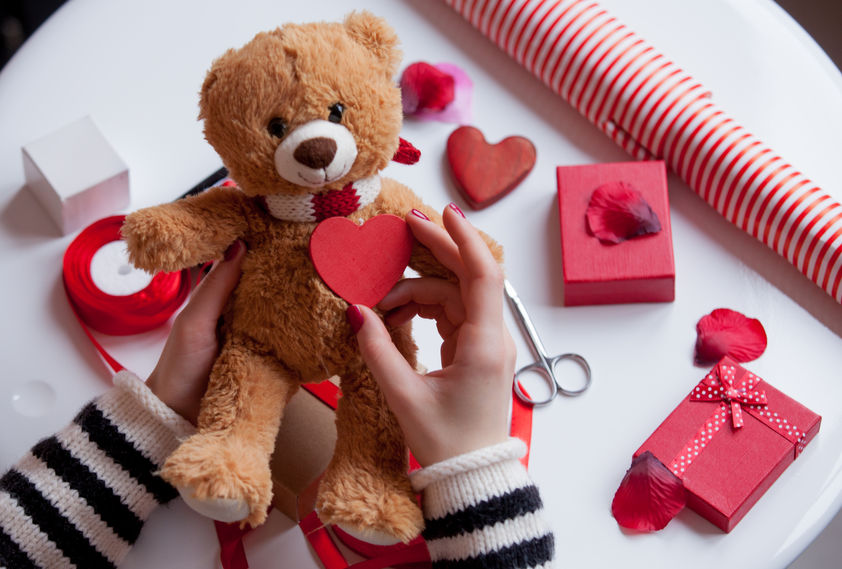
637, 270
729, 440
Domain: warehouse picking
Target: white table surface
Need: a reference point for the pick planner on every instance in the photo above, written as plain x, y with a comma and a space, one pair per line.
136, 67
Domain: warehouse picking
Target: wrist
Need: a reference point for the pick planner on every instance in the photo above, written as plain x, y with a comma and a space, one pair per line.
457, 446
179, 396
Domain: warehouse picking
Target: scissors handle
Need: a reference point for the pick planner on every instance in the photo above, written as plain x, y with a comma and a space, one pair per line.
541, 368
546, 368
583, 363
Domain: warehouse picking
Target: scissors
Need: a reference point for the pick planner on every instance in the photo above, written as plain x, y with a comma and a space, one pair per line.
545, 365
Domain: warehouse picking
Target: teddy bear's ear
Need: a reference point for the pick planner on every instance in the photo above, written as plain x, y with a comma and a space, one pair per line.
377, 36
210, 80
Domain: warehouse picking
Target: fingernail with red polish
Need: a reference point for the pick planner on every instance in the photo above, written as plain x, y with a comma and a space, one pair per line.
355, 318
420, 214
455, 208
233, 249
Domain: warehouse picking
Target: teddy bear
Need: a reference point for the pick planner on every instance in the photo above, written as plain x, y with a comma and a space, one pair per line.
304, 118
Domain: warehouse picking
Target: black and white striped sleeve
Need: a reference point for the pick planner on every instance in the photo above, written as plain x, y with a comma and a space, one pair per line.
482, 510
80, 497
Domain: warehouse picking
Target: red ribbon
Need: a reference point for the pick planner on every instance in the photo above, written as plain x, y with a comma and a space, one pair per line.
116, 315
718, 385
232, 553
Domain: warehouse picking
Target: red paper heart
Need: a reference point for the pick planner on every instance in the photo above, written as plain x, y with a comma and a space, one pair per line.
361, 263
484, 172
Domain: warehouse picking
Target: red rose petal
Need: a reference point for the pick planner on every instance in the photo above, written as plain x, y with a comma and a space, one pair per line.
726, 332
425, 87
649, 495
617, 212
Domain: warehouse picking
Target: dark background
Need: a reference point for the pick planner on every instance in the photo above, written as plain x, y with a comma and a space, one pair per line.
821, 18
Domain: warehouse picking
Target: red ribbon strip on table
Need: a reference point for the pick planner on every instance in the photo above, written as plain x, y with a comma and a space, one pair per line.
654, 109
414, 553
719, 387
142, 311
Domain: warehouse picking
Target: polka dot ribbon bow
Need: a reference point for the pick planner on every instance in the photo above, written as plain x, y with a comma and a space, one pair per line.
720, 385
734, 395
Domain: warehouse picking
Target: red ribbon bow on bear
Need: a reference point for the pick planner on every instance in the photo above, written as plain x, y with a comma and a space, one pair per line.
718, 385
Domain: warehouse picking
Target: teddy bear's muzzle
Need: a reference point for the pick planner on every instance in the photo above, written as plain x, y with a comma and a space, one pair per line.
316, 153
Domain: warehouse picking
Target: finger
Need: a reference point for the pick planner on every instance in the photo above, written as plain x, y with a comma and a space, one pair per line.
210, 296
482, 281
474, 253
427, 291
390, 369
436, 239
403, 314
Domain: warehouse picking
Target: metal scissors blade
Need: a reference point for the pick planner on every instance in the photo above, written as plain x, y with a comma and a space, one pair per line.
545, 365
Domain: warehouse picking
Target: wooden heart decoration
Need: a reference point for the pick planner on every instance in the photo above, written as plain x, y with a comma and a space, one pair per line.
484, 172
361, 263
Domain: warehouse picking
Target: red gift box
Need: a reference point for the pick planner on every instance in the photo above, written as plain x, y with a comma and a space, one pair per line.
637, 270
729, 440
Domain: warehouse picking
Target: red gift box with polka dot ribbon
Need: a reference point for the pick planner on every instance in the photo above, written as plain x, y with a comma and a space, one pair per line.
729, 440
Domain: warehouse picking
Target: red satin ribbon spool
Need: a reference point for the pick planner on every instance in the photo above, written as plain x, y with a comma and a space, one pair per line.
142, 311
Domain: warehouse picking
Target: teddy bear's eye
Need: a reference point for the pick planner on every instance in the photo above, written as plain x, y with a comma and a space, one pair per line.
277, 127
336, 111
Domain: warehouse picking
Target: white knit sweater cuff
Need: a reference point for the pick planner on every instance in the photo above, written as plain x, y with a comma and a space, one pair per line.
147, 422
512, 449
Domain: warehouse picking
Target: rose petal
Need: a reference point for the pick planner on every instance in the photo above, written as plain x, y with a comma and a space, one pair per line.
425, 87
617, 212
726, 332
649, 495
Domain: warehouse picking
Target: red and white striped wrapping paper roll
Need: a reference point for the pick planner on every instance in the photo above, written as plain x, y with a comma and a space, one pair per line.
653, 109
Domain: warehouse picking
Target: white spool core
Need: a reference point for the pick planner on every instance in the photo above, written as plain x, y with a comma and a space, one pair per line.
113, 274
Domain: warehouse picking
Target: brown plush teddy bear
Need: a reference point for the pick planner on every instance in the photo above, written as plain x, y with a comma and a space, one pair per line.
304, 118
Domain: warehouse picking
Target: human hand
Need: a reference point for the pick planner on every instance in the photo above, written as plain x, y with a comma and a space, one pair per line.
181, 375
463, 406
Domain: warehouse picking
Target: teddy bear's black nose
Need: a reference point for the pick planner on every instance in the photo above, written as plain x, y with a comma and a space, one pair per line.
316, 152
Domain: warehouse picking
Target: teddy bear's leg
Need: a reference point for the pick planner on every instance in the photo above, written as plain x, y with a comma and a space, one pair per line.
365, 489
223, 469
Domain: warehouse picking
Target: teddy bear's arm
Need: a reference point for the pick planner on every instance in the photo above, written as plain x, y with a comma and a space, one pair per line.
187, 232
397, 199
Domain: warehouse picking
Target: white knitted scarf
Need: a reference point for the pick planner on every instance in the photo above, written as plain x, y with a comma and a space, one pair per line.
321, 205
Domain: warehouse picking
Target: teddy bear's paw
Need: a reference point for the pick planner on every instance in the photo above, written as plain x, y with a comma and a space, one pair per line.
220, 483
371, 536
380, 519
226, 510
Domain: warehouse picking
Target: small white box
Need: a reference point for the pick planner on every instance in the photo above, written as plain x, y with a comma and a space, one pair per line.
76, 175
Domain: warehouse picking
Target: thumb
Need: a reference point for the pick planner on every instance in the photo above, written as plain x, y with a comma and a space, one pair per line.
389, 367
210, 296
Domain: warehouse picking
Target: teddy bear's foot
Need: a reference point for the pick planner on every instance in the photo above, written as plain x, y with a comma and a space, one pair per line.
364, 508
369, 535
226, 510
219, 480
